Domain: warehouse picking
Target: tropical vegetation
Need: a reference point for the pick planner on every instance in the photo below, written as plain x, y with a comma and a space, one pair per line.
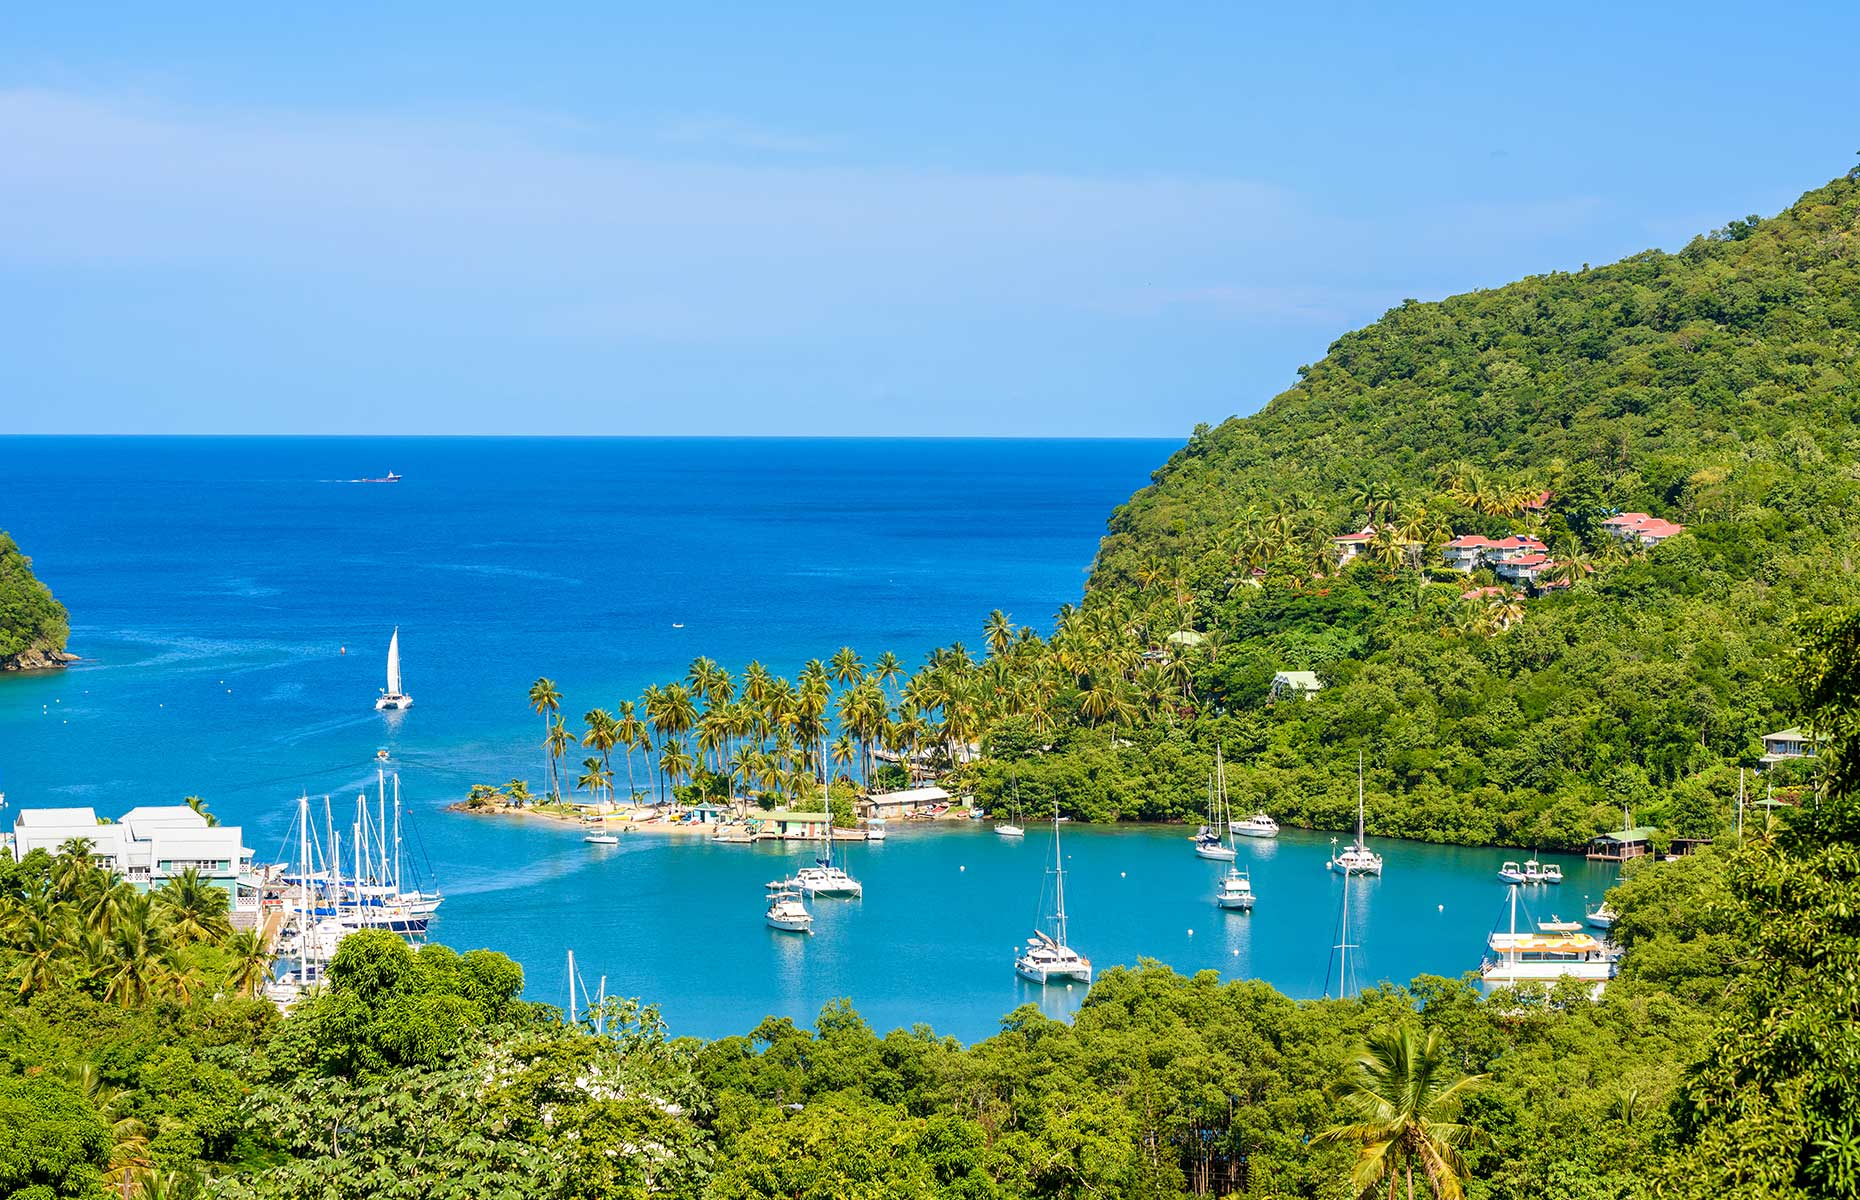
33, 625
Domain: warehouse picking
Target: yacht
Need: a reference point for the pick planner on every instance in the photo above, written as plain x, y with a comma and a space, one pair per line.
1046, 957
786, 910
1554, 950
1012, 827
1235, 891
1601, 918
1357, 859
602, 838
1511, 872
1209, 842
391, 696
826, 877
1259, 825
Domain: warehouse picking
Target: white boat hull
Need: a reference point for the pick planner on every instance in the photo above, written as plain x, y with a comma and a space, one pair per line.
602, 839
1244, 831
1234, 903
1216, 853
791, 924
389, 703
1356, 866
1045, 973
1010, 831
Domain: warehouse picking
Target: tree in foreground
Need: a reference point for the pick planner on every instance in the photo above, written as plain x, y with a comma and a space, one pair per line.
1772, 1107
1403, 1098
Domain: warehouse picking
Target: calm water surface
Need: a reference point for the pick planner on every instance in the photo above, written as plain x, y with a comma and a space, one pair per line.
232, 598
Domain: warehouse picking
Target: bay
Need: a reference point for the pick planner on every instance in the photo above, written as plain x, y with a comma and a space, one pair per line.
232, 599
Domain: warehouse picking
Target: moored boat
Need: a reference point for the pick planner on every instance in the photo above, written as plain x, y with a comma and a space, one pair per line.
787, 911
1511, 872
1046, 957
1357, 859
1259, 825
1235, 891
392, 697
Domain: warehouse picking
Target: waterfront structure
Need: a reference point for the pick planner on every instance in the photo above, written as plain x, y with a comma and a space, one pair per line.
790, 825
1620, 845
1787, 743
907, 803
149, 845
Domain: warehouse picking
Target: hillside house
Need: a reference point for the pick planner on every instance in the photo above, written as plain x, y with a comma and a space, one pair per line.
1302, 684
1350, 545
1787, 743
1524, 569
1639, 527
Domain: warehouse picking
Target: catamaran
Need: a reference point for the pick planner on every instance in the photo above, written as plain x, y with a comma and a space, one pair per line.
1554, 950
826, 877
1046, 956
1357, 859
1209, 842
391, 696
786, 910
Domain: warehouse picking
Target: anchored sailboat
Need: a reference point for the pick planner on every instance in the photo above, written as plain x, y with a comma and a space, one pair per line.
826, 877
1357, 859
1209, 840
1046, 956
391, 696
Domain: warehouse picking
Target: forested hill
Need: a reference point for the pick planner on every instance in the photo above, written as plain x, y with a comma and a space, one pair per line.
1718, 384
33, 625
1717, 388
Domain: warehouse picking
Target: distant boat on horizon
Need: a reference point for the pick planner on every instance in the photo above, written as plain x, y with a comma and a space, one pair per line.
390, 477
391, 696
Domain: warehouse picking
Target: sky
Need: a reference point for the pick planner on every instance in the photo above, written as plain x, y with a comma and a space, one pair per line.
1012, 220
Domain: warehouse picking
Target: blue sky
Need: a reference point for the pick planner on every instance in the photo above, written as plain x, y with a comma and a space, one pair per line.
1049, 220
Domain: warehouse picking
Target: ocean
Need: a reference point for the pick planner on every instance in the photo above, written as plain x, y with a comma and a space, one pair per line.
232, 600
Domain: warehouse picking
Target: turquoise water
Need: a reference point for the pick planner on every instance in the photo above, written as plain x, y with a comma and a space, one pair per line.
216, 583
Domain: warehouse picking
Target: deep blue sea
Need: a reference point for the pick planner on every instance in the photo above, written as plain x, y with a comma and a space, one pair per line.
232, 600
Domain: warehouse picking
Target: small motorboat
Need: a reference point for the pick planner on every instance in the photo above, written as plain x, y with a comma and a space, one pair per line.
875, 829
1533, 871
602, 838
1235, 891
1259, 825
787, 911
1552, 873
1603, 917
1510, 872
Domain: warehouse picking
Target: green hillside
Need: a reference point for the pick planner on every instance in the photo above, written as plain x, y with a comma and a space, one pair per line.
33, 625
1717, 387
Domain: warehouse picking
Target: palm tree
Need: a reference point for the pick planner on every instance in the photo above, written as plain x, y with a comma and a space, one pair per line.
998, 631
630, 732
847, 665
129, 1138
674, 762
888, 669
38, 937
546, 702
602, 735
595, 776
193, 909
137, 951
842, 751
557, 745
1402, 1099
200, 806
75, 865
251, 962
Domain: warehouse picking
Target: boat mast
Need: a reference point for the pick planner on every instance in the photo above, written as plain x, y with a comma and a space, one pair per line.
397, 835
303, 871
1059, 881
571, 987
1343, 946
1359, 800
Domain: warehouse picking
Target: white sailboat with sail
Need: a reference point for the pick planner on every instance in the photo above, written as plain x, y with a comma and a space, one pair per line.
1046, 956
391, 696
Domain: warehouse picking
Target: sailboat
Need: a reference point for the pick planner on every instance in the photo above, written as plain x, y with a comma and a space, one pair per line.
1012, 828
826, 877
391, 696
1208, 839
1046, 956
1357, 859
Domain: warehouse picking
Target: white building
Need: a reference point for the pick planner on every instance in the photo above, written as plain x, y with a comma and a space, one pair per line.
148, 846
1787, 743
1303, 684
